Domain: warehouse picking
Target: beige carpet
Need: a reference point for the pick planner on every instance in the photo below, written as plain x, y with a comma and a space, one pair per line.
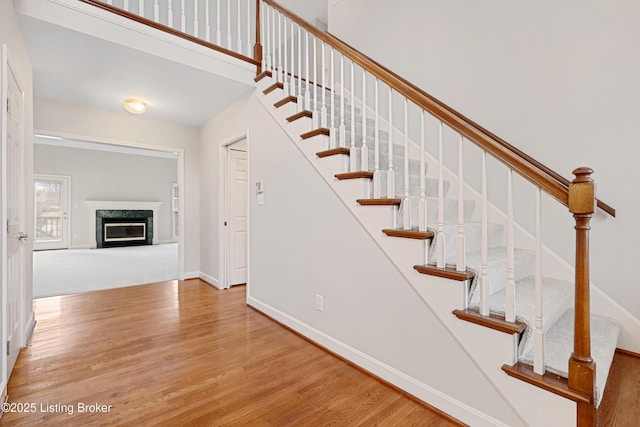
61, 272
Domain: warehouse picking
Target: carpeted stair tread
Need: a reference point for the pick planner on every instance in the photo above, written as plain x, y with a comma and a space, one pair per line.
557, 298
558, 345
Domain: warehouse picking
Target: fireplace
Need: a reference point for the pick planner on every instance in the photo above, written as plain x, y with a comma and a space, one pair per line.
129, 212
120, 227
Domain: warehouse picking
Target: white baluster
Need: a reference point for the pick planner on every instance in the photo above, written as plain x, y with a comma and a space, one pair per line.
207, 22
510, 288
239, 23
219, 31
315, 117
391, 179
440, 241
406, 202
292, 77
109, 2
229, 41
156, 11
323, 107
422, 208
334, 130
249, 32
126, 5
377, 181
484, 248
285, 66
196, 30
300, 70
538, 336
169, 13
352, 151
307, 95
141, 8
280, 77
183, 18
342, 131
364, 149
461, 258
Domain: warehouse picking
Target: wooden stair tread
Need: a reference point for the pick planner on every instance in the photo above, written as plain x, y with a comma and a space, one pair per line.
262, 75
548, 381
354, 175
276, 85
379, 202
493, 321
315, 132
285, 101
409, 234
299, 115
446, 272
333, 152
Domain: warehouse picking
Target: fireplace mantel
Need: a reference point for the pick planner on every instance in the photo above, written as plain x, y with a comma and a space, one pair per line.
95, 205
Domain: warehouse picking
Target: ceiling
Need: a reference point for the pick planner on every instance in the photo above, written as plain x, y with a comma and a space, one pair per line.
74, 67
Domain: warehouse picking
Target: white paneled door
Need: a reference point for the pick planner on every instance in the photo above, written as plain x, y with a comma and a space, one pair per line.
51, 212
13, 212
237, 213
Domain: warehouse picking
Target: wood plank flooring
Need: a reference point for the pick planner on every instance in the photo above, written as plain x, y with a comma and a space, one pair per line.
620, 405
183, 353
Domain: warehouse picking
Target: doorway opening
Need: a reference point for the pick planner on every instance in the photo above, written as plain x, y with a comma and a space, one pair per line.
118, 192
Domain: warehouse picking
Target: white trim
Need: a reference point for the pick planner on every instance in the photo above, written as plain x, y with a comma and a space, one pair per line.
180, 177
210, 280
85, 145
191, 275
222, 207
422, 391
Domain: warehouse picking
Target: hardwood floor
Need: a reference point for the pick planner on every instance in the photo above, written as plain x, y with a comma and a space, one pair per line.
620, 405
183, 353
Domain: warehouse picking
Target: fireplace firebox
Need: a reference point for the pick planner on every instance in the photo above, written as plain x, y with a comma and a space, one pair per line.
115, 227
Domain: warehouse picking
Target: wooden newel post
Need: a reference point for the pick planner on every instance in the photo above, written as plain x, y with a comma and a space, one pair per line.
582, 368
257, 48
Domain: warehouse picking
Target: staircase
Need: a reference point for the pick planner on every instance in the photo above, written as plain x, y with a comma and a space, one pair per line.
370, 135
558, 294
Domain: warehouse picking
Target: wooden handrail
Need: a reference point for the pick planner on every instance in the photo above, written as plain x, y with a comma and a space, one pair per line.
532, 170
166, 29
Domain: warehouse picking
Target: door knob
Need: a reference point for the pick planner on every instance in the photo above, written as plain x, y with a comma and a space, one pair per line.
22, 236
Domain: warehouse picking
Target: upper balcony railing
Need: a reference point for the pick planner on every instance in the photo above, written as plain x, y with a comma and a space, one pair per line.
228, 26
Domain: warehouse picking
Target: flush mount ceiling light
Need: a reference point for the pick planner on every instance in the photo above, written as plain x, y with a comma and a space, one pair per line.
135, 106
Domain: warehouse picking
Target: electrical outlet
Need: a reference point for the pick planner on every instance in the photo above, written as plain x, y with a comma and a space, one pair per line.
319, 302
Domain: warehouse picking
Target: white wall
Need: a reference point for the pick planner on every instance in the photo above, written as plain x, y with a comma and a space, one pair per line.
304, 242
101, 175
11, 36
97, 125
556, 79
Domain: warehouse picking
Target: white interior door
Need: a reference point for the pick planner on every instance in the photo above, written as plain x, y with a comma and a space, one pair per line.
237, 213
51, 212
13, 191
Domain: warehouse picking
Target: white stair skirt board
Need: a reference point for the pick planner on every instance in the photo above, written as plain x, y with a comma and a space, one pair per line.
62, 272
559, 295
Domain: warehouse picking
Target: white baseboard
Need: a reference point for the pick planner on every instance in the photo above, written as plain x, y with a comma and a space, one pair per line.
191, 275
85, 246
210, 280
436, 398
31, 326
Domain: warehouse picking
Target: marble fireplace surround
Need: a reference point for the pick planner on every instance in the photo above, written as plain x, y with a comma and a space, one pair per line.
95, 205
